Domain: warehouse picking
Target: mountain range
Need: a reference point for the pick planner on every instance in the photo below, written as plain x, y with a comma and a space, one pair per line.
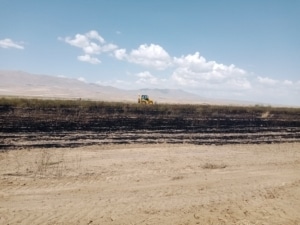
23, 84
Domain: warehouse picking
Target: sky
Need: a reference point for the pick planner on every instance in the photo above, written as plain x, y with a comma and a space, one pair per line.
237, 50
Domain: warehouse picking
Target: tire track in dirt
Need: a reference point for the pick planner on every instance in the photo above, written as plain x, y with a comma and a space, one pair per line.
156, 184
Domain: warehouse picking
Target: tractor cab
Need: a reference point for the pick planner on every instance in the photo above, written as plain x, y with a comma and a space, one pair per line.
144, 99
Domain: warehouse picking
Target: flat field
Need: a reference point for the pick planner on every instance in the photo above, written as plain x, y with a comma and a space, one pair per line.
152, 184
82, 162
66, 123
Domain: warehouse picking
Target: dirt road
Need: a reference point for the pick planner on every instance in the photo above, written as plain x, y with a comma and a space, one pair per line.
151, 184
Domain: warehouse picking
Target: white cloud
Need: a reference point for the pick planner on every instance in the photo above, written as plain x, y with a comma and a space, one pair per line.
82, 79
89, 59
267, 80
147, 78
8, 43
194, 62
195, 71
276, 91
120, 54
287, 82
152, 55
94, 35
90, 43
239, 84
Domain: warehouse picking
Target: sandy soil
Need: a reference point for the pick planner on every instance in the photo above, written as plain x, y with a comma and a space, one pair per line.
151, 184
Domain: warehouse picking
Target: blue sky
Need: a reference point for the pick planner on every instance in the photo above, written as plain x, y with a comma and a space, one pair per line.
240, 50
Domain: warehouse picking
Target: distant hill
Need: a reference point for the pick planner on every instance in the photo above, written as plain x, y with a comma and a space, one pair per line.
22, 84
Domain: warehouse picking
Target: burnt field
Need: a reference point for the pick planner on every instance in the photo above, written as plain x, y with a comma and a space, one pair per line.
67, 123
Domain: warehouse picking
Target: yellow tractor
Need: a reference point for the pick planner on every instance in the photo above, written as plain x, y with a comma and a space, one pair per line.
144, 99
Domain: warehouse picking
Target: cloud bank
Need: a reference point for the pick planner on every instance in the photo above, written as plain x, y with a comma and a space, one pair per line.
191, 72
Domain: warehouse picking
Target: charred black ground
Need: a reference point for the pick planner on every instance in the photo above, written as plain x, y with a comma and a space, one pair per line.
67, 123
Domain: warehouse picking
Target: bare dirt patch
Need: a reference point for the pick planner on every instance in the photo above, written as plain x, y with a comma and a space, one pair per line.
151, 184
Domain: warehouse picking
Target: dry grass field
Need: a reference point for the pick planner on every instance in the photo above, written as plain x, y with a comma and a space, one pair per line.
151, 184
